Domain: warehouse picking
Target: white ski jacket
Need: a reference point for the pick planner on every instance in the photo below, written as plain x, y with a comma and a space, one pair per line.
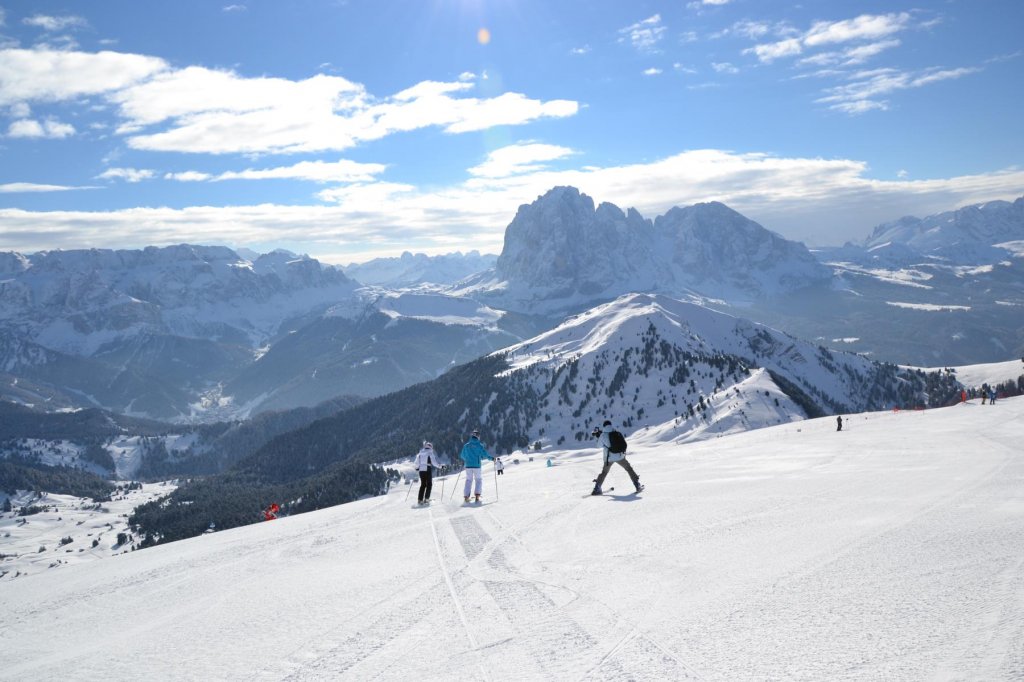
606, 443
424, 459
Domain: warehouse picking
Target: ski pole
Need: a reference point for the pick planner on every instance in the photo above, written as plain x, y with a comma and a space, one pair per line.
408, 491
454, 486
442, 486
495, 484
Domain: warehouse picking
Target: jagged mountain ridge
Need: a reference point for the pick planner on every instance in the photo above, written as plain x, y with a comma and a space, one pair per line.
411, 269
650, 360
970, 235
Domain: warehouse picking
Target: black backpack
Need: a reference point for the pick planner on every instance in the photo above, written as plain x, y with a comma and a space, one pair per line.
616, 442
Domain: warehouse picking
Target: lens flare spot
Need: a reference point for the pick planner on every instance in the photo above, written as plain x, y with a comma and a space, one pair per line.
483, 36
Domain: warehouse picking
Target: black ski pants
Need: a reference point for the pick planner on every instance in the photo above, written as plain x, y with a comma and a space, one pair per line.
426, 483
625, 465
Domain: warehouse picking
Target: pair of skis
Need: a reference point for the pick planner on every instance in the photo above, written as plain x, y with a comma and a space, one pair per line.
638, 491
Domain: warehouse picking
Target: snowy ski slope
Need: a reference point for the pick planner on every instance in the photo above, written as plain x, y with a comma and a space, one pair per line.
890, 551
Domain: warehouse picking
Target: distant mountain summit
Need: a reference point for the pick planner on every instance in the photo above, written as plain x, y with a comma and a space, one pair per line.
563, 248
975, 235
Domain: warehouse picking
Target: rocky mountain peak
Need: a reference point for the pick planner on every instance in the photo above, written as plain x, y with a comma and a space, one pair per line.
560, 246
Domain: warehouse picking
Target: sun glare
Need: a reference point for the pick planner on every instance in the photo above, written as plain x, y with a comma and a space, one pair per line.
483, 36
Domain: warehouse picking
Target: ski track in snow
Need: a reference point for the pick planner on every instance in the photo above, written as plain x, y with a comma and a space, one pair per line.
890, 551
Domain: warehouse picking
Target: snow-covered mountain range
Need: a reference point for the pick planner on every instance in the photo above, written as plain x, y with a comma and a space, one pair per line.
414, 269
207, 333
146, 331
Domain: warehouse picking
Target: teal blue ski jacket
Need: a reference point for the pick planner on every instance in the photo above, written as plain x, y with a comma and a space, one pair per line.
472, 451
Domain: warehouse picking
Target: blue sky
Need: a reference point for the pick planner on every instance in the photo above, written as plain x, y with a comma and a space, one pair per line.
355, 129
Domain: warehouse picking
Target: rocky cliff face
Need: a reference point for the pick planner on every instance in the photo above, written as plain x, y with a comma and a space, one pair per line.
561, 246
712, 245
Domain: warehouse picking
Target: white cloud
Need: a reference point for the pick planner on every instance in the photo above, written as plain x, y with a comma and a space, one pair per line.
48, 129
653, 71
683, 68
901, 174
821, 201
53, 24
341, 171
724, 67
851, 56
234, 8
126, 174
20, 187
936, 76
53, 75
864, 27
3, 17
769, 52
20, 110
211, 111
866, 88
188, 176
580, 50
524, 157
644, 35
221, 112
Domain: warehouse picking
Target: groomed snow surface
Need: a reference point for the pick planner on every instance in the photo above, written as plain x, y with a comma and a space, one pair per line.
889, 551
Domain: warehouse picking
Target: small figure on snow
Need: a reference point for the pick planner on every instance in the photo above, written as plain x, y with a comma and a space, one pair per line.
499, 465
425, 459
471, 454
270, 513
614, 445
839, 423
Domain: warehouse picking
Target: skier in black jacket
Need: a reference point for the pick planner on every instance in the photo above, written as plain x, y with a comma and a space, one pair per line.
604, 434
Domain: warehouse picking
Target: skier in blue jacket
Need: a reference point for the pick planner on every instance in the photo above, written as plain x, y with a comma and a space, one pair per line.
471, 454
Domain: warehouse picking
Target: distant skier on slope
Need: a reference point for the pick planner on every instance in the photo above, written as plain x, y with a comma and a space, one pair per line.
425, 459
471, 453
839, 423
499, 465
614, 451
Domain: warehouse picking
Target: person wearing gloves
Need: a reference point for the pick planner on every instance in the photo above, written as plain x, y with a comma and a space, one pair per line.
614, 451
425, 459
472, 452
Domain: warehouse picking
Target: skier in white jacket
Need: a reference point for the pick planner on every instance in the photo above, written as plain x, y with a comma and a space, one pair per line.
425, 459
